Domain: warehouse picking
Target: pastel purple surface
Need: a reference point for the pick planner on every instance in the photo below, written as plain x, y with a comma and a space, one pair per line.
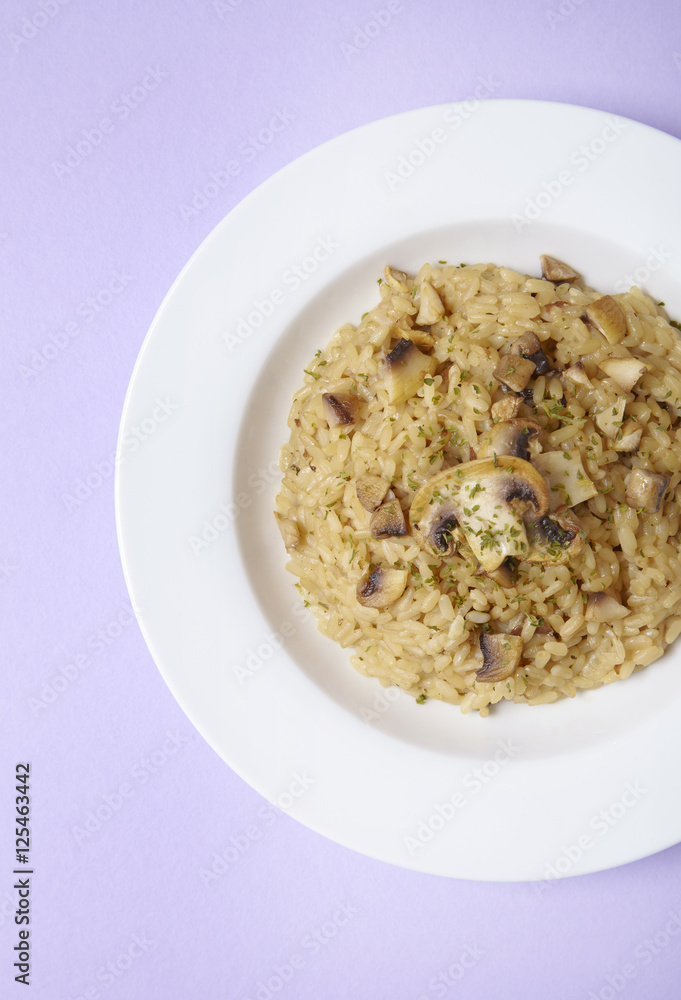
157, 872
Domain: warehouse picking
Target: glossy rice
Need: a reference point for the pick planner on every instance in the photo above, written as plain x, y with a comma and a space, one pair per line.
428, 641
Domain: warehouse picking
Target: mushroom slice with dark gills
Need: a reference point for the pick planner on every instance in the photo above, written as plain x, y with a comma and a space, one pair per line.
529, 346
646, 489
405, 369
340, 408
501, 655
387, 521
554, 540
556, 270
509, 437
488, 501
381, 586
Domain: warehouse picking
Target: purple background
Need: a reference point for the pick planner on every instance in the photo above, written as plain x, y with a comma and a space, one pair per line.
95, 241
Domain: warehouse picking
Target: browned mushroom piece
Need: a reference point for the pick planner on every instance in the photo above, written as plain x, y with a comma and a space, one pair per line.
387, 521
607, 316
529, 346
514, 371
577, 375
556, 270
646, 489
371, 490
507, 574
406, 368
603, 607
381, 586
501, 655
555, 539
506, 408
624, 371
509, 437
340, 408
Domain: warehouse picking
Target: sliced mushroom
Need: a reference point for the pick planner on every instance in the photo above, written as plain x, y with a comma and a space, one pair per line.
629, 437
611, 418
507, 574
564, 472
486, 499
577, 375
387, 521
506, 408
371, 490
290, 532
646, 489
607, 316
514, 371
624, 371
406, 368
431, 307
396, 279
501, 655
554, 540
509, 437
529, 346
555, 270
602, 607
421, 337
340, 408
380, 587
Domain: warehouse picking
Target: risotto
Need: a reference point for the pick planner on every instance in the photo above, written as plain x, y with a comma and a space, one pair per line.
479, 492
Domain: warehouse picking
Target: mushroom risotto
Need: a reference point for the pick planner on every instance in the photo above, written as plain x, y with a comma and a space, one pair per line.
479, 491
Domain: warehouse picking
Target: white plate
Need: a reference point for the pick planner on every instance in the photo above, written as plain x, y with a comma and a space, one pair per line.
575, 787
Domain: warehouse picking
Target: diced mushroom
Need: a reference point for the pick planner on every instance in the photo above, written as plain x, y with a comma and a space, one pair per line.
529, 346
501, 655
290, 532
371, 490
486, 499
624, 371
431, 307
506, 408
555, 539
610, 419
607, 316
421, 337
507, 574
387, 521
602, 607
564, 472
629, 437
340, 408
396, 279
406, 368
514, 371
509, 437
577, 375
380, 587
555, 270
646, 489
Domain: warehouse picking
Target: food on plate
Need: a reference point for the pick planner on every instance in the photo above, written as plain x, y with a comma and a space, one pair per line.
480, 488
